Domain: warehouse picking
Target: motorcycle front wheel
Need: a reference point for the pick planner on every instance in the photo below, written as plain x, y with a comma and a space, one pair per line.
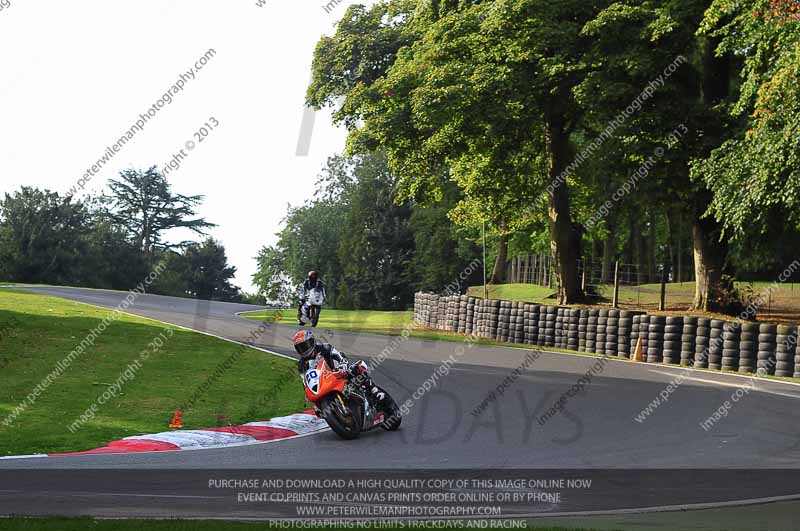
345, 421
313, 314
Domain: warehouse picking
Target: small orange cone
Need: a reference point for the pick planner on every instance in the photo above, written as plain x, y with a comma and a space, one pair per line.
638, 355
176, 420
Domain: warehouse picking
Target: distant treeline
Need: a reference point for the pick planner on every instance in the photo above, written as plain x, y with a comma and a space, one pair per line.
113, 241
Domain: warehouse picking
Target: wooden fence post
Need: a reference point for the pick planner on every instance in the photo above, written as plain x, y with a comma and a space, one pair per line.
616, 285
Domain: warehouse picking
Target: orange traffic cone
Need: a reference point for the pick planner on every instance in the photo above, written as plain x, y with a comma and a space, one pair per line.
638, 355
176, 420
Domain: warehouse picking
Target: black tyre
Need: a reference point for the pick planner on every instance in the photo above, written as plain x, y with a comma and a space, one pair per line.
313, 314
392, 417
345, 421
748, 346
749, 336
767, 338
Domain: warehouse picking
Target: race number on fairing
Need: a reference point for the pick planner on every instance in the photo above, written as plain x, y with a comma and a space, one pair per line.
312, 380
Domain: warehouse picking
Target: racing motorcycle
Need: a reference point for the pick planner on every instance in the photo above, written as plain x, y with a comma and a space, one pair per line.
309, 312
346, 406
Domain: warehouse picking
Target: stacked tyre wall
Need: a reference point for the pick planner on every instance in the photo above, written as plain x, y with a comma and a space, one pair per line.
687, 341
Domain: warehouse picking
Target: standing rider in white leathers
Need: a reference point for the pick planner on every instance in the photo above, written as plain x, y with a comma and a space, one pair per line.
311, 283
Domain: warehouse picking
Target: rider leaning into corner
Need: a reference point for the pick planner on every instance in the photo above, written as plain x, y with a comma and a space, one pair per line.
311, 352
310, 283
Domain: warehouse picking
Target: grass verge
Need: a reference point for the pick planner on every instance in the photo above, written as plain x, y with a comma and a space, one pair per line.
37, 332
80, 524
367, 321
516, 292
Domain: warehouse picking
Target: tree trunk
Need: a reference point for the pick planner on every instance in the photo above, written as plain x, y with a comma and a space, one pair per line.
564, 238
597, 250
501, 260
652, 249
641, 253
709, 251
670, 216
629, 252
606, 273
709, 259
679, 249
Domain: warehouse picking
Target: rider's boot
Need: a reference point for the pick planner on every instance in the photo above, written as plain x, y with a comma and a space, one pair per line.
377, 393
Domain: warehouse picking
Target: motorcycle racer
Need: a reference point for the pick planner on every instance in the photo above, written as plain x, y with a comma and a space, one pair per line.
310, 351
304, 291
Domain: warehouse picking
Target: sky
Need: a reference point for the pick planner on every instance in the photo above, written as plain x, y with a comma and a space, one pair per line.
76, 76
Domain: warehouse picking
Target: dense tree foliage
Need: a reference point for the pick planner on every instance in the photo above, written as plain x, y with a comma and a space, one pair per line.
144, 204
757, 170
518, 103
41, 237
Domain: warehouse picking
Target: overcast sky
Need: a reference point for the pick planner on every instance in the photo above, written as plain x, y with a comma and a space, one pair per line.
75, 76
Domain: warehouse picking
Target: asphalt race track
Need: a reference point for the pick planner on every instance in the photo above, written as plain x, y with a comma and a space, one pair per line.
663, 461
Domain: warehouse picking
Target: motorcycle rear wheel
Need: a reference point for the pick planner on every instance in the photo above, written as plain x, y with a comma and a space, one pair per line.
393, 418
346, 425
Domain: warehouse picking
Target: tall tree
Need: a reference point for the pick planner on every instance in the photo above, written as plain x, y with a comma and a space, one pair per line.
485, 89
43, 237
145, 205
756, 173
354, 233
444, 252
208, 273
377, 246
112, 260
309, 240
696, 96
270, 277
